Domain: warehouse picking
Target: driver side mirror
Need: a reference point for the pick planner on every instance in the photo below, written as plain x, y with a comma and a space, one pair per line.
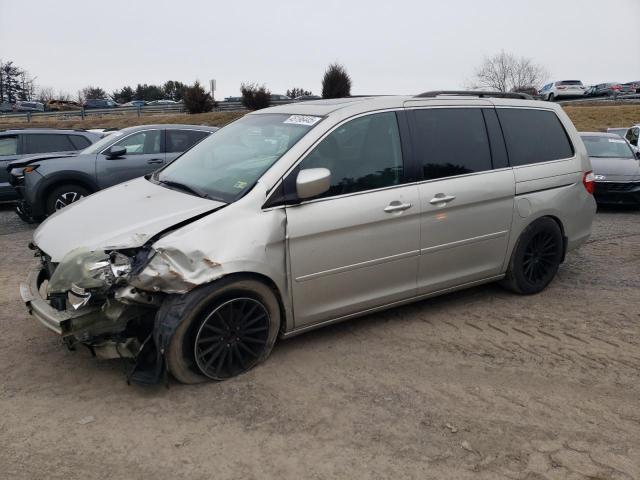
116, 152
312, 182
638, 154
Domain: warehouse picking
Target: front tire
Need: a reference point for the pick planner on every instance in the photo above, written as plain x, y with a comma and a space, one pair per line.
227, 328
536, 258
551, 97
63, 196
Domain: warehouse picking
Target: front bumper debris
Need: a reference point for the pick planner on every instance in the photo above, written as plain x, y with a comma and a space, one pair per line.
92, 326
61, 322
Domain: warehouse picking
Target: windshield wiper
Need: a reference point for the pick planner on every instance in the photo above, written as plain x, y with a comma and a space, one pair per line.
184, 187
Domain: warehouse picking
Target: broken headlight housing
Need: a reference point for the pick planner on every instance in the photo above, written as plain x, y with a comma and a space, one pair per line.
81, 271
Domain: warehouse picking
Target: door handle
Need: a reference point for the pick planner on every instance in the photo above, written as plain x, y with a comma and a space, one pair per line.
397, 206
155, 160
441, 198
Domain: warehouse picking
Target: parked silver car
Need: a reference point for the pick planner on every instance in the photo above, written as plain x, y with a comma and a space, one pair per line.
306, 214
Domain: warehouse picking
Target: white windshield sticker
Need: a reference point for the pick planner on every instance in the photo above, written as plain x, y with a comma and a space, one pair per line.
615, 140
303, 120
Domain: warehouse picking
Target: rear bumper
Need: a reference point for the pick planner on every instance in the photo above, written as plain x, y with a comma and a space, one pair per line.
617, 193
569, 93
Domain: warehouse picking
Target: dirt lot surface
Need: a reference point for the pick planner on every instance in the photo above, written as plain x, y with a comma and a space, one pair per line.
479, 384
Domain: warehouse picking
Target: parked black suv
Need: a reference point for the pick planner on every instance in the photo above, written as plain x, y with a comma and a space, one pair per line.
19, 143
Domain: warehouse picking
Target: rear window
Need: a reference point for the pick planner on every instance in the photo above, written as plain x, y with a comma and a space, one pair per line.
607, 147
533, 136
569, 82
47, 142
181, 140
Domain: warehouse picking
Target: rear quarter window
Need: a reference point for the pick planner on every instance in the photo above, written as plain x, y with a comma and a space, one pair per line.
79, 142
533, 136
181, 140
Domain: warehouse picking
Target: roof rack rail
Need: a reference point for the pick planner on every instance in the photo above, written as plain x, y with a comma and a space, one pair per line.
475, 93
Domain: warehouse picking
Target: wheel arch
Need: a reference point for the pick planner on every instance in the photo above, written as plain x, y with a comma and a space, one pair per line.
63, 179
565, 240
170, 328
514, 244
262, 278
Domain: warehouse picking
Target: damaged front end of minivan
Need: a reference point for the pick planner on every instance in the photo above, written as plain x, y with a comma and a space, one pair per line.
107, 300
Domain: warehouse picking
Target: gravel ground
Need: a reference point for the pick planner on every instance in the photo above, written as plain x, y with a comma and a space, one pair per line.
478, 384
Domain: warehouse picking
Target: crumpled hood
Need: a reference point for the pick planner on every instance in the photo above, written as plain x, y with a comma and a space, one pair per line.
614, 169
23, 162
123, 216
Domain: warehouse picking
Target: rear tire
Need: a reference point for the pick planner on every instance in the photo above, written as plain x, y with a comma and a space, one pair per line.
226, 329
63, 196
536, 258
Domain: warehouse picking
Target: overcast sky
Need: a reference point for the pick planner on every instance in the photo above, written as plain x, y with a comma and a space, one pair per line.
391, 47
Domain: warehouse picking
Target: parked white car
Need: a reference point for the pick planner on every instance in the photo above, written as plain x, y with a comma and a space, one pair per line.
631, 135
562, 88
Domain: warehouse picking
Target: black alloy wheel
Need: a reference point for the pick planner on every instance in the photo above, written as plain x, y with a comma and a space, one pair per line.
536, 257
539, 257
232, 338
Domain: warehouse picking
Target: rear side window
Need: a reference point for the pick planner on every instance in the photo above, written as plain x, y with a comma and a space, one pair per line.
47, 142
181, 140
8, 146
79, 142
450, 141
533, 136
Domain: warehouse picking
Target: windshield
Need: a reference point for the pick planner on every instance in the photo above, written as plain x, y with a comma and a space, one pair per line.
102, 143
607, 147
227, 164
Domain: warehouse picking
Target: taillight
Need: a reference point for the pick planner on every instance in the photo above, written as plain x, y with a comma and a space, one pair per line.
616, 87
589, 182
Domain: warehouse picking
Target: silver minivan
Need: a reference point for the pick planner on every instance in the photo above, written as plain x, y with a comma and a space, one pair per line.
306, 214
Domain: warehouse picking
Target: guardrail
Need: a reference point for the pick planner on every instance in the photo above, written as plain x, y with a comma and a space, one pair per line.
140, 111
630, 98
225, 106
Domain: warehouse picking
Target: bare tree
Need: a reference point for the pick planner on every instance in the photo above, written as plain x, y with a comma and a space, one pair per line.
45, 94
505, 72
63, 95
90, 92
